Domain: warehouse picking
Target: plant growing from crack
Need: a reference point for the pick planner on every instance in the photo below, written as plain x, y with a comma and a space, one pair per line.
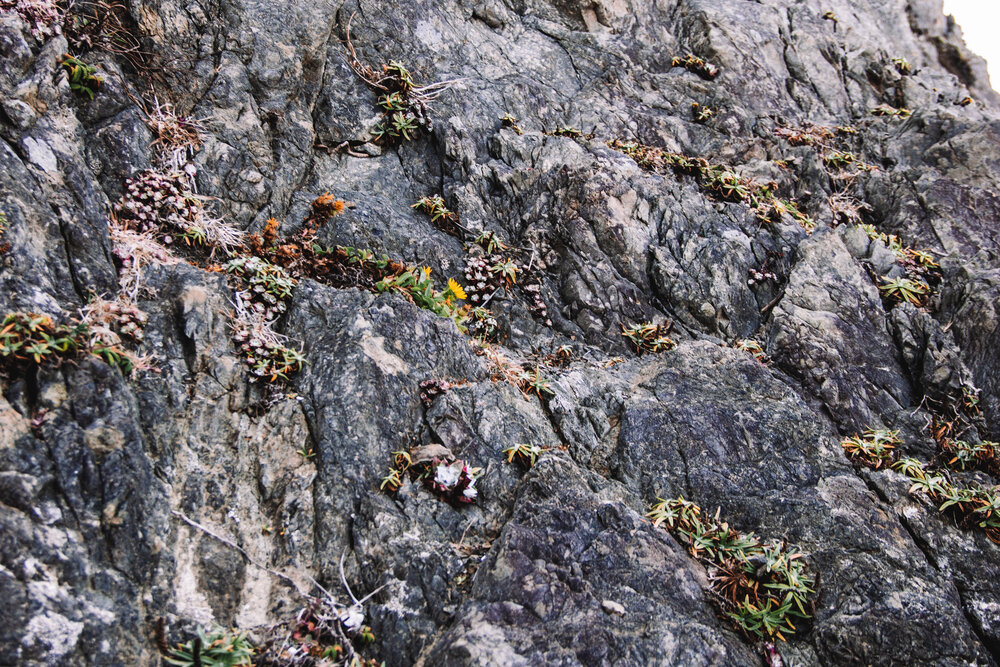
720, 182
873, 448
693, 63
218, 648
648, 337
83, 78
905, 289
973, 506
417, 286
753, 348
761, 586
404, 105
526, 454
885, 110
902, 65
28, 339
702, 113
507, 120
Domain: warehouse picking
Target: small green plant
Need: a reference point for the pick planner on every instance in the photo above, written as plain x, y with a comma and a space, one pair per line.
905, 289
902, 66
534, 381
307, 454
507, 269
873, 448
753, 348
967, 456
83, 78
509, 121
760, 585
567, 131
648, 337
973, 506
693, 63
720, 182
525, 454
434, 207
418, 286
268, 286
489, 242
392, 481
892, 112
219, 648
701, 113
33, 339
263, 349
403, 104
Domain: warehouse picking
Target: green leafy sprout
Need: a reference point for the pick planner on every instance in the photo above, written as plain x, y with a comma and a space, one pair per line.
219, 648
83, 78
761, 586
526, 454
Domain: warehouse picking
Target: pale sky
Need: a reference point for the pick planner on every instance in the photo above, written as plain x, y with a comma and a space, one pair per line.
980, 21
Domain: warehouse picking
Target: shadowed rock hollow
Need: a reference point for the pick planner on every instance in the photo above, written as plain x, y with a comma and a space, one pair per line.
200, 494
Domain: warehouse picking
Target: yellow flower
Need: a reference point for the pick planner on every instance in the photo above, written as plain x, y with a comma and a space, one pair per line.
455, 288
427, 272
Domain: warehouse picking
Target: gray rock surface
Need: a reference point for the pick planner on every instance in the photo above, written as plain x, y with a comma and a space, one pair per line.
195, 495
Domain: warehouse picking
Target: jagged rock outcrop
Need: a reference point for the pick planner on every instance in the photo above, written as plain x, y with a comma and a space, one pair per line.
200, 493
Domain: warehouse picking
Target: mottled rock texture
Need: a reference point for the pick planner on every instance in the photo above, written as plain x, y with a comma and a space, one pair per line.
554, 565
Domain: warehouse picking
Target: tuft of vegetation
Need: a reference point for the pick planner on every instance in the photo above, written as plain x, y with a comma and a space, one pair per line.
693, 63
525, 454
83, 78
846, 209
454, 481
873, 448
219, 648
905, 289
648, 337
567, 131
323, 634
267, 285
702, 113
884, 110
842, 160
30, 339
404, 105
263, 349
417, 286
902, 66
972, 506
969, 456
163, 205
760, 586
810, 135
441, 216
754, 349
507, 120
720, 182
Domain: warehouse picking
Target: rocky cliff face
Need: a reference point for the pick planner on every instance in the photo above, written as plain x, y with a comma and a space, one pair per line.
820, 179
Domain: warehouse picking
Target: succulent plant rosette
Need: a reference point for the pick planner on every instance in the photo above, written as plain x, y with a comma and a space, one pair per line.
454, 482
